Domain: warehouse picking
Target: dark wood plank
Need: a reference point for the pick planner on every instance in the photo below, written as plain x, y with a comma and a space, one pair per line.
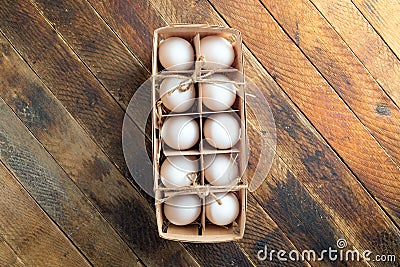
65, 75
261, 231
8, 256
97, 177
57, 195
331, 117
344, 72
137, 29
30, 232
134, 22
365, 42
384, 16
97, 46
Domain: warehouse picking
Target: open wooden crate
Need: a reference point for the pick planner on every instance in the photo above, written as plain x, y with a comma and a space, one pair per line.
201, 230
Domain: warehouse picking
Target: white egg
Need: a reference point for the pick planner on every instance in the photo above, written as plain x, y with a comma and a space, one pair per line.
182, 209
175, 99
218, 96
177, 171
221, 169
180, 132
225, 212
176, 53
217, 51
222, 130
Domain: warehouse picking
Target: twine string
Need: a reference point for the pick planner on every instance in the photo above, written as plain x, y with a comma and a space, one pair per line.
192, 176
188, 81
159, 124
202, 191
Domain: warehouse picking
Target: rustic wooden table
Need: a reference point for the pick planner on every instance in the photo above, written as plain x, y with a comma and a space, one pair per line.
330, 70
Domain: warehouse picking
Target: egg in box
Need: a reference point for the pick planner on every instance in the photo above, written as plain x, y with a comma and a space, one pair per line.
199, 133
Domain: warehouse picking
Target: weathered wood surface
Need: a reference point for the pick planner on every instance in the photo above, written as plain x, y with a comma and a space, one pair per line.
328, 69
29, 231
316, 97
8, 256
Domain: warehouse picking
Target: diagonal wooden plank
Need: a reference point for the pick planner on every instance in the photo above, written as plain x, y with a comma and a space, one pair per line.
365, 42
319, 102
58, 196
344, 72
30, 232
304, 152
384, 16
102, 53
94, 174
8, 256
261, 231
50, 186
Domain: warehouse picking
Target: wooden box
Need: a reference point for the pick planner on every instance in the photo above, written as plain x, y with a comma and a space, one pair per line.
201, 230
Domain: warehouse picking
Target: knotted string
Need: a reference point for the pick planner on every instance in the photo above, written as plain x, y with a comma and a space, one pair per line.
202, 191
187, 82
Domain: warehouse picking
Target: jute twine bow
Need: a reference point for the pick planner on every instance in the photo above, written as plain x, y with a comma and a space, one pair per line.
202, 191
188, 82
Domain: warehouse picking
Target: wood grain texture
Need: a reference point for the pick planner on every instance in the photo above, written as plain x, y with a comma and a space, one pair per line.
57, 195
134, 30
344, 72
65, 75
32, 235
132, 27
365, 42
306, 173
109, 60
384, 16
196, 18
8, 257
68, 144
261, 231
319, 102
96, 45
